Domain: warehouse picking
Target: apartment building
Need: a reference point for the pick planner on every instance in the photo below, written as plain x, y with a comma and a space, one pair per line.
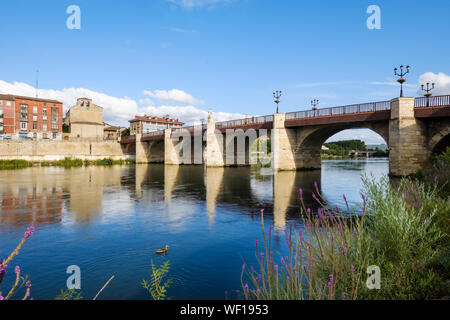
7, 115
30, 118
145, 124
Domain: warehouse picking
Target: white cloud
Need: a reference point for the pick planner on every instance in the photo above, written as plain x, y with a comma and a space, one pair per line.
179, 30
441, 81
173, 96
115, 110
118, 111
188, 114
366, 135
190, 4
392, 83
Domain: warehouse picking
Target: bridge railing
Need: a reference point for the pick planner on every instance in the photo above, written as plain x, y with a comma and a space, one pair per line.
153, 133
436, 101
189, 128
243, 122
350, 109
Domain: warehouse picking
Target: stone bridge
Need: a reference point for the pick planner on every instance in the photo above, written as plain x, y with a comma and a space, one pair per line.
413, 128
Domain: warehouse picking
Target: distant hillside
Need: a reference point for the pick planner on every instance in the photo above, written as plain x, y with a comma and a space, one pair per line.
382, 146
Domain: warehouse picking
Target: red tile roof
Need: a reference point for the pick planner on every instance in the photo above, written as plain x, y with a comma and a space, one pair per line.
156, 119
14, 97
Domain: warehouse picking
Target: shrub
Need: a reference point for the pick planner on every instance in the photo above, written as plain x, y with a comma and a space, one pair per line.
157, 286
400, 230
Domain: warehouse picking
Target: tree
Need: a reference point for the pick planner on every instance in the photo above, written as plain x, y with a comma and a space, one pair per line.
125, 133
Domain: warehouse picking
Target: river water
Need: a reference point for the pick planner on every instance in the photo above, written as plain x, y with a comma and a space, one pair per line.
110, 220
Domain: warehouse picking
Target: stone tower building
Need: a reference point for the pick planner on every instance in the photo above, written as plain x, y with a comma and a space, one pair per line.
85, 120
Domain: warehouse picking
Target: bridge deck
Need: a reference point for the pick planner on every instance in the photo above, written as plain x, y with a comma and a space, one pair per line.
432, 107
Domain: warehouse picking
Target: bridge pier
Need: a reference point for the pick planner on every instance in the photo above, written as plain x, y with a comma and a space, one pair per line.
407, 139
171, 156
214, 150
284, 141
141, 150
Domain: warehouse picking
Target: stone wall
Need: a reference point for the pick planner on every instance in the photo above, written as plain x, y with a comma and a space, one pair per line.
57, 150
407, 139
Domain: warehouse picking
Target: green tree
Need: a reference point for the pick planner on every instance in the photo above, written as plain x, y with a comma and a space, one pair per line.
125, 133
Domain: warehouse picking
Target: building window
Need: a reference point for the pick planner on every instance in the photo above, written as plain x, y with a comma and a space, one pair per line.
24, 108
34, 110
34, 125
8, 103
44, 111
1, 102
54, 126
23, 126
35, 118
44, 128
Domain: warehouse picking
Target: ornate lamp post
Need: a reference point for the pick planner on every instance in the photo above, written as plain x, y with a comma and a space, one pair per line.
427, 93
277, 96
402, 75
314, 103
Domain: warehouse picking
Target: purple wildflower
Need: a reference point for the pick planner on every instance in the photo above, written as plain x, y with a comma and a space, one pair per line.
29, 232
300, 233
28, 284
246, 288
3, 268
352, 268
17, 269
258, 292
243, 267
270, 231
276, 268
1, 298
308, 211
345, 250
343, 295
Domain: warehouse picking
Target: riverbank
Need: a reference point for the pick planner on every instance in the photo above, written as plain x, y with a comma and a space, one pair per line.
400, 236
66, 163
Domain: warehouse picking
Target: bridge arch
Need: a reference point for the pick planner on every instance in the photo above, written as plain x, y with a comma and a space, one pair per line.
310, 140
440, 141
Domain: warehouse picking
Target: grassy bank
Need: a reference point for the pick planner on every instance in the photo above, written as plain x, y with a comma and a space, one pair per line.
66, 163
14, 164
402, 231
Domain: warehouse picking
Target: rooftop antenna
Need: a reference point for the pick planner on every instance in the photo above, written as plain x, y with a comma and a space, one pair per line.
37, 83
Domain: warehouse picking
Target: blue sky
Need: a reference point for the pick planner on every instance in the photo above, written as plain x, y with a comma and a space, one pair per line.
228, 55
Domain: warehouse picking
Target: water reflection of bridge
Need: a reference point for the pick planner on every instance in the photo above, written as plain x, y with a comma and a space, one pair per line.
53, 195
239, 187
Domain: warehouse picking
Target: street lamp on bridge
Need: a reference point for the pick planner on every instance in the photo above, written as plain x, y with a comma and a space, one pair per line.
402, 75
427, 93
277, 96
314, 103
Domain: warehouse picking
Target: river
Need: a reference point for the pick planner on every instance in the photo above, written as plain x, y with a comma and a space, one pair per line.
110, 220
